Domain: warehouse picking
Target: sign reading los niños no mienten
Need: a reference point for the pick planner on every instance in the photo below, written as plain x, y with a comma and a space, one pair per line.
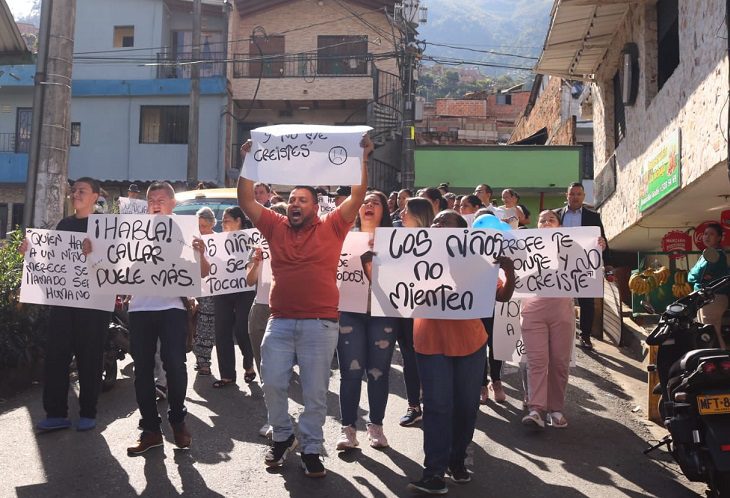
661, 173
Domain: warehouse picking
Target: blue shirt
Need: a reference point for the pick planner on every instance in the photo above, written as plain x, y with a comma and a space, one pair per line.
573, 218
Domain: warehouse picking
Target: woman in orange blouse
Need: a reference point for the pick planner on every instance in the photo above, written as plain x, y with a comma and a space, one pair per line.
450, 356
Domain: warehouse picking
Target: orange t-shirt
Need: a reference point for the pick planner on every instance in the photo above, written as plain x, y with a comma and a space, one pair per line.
449, 337
304, 265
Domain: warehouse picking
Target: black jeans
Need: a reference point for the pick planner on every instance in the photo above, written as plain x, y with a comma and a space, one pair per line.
80, 333
410, 366
492, 367
231, 318
587, 311
170, 327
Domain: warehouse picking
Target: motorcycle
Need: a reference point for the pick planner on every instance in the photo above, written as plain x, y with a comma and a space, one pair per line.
117, 345
694, 384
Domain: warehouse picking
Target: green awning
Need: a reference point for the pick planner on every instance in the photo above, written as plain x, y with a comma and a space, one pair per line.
538, 168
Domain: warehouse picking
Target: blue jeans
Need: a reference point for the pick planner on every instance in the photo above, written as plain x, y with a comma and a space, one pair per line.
366, 344
311, 344
451, 386
145, 328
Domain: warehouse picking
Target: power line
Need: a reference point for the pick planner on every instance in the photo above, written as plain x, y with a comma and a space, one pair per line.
461, 62
490, 52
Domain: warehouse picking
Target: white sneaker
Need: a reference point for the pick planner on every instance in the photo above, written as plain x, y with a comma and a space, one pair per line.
266, 430
376, 437
348, 439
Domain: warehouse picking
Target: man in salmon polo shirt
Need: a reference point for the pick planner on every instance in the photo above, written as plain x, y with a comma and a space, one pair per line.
303, 328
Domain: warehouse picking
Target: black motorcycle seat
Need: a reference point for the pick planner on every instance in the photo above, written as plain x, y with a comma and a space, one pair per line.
657, 388
693, 358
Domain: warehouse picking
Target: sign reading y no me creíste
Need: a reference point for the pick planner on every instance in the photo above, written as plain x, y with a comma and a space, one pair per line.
556, 262
55, 272
228, 253
143, 255
435, 272
305, 155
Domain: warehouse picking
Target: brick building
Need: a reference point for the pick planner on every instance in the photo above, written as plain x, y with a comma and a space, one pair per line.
478, 118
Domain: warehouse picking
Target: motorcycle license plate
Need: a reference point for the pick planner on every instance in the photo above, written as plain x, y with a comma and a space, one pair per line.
713, 404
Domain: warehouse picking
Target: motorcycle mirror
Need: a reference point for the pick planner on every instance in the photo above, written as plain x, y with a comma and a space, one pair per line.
711, 255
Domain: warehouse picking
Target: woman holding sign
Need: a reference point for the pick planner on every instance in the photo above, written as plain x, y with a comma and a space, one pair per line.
417, 213
548, 328
231, 318
76, 332
451, 355
365, 345
205, 326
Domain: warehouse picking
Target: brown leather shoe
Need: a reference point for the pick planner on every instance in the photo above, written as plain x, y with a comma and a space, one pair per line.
183, 439
147, 440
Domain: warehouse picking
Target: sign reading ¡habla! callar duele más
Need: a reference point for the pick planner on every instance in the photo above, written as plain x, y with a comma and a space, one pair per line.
661, 173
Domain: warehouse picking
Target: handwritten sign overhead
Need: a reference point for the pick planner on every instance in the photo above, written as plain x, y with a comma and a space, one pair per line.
351, 279
55, 272
144, 255
228, 253
559, 262
305, 155
435, 272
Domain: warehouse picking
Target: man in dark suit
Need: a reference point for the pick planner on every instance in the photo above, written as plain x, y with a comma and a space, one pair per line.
576, 215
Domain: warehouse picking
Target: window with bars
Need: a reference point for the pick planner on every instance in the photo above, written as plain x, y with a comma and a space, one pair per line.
342, 55
165, 124
123, 36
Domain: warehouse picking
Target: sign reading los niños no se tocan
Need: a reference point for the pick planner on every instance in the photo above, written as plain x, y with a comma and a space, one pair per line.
661, 172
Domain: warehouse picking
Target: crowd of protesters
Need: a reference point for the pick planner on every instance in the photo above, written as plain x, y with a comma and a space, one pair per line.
448, 365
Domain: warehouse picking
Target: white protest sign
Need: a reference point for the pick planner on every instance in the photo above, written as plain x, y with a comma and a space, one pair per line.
55, 272
435, 272
228, 253
326, 204
556, 262
144, 255
305, 155
266, 277
351, 279
132, 206
507, 342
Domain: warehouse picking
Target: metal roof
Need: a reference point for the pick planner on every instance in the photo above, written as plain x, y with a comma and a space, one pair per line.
11, 43
580, 33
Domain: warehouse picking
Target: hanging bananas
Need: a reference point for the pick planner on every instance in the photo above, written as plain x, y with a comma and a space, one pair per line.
681, 287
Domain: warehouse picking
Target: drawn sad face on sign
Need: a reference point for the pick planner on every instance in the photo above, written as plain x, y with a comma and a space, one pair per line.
338, 155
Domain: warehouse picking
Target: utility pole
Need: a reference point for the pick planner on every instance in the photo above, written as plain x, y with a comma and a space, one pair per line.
411, 15
51, 135
194, 116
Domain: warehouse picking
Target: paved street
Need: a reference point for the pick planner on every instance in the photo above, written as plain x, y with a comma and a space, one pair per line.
599, 455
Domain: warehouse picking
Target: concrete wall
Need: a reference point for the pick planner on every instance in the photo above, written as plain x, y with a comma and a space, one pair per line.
694, 99
110, 148
303, 13
95, 21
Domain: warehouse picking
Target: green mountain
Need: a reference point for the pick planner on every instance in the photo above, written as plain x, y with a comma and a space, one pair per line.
507, 26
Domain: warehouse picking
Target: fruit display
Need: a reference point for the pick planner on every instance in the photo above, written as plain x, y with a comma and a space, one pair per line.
681, 287
644, 282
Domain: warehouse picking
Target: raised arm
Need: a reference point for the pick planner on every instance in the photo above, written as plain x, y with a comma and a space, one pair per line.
252, 272
246, 199
351, 205
505, 292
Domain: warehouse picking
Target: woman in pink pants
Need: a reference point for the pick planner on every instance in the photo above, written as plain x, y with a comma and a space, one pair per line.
548, 329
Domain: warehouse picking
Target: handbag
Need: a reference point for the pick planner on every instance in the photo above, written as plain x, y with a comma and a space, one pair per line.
191, 306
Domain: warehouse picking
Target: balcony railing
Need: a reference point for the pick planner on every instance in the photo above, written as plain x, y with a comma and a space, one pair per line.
179, 65
301, 66
10, 142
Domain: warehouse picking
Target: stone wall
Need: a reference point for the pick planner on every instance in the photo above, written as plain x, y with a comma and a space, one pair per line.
546, 113
693, 99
